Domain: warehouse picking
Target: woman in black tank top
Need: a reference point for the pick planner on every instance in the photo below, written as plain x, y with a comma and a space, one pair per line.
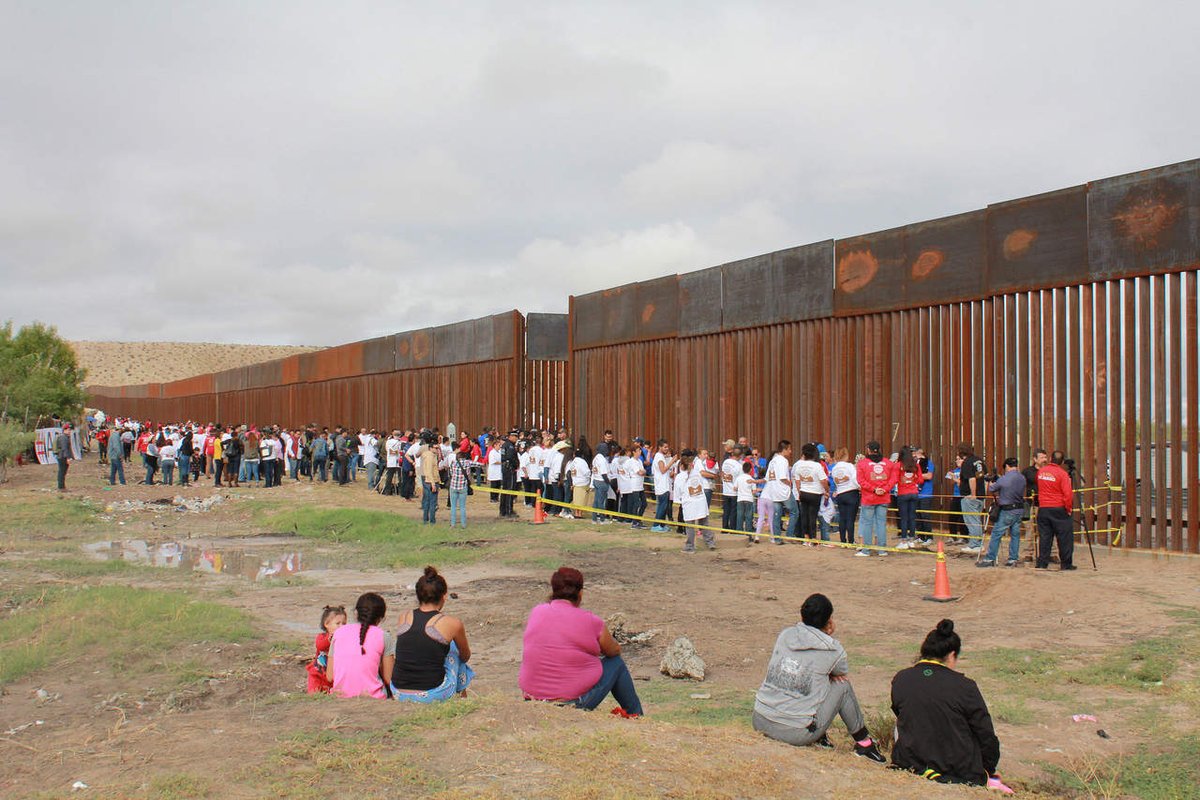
424, 637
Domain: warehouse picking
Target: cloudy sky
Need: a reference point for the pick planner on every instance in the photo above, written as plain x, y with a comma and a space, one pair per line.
315, 173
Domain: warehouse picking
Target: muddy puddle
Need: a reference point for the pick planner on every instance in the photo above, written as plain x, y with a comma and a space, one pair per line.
190, 557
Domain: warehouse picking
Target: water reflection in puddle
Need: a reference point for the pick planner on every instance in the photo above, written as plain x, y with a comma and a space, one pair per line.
192, 558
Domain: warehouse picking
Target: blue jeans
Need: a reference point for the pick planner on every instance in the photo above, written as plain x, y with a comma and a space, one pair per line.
458, 678
872, 519
116, 470
662, 508
150, 469
601, 489
973, 518
318, 468
777, 520
614, 678
185, 466
268, 472
907, 503
1010, 522
458, 506
355, 460
428, 502
168, 472
745, 515
250, 471
847, 505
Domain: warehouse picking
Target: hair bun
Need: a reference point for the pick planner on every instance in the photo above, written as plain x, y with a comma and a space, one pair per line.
431, 572
945, 627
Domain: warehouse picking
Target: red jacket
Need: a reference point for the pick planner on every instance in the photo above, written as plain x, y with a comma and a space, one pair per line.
876, 475
1054, 488
908, 482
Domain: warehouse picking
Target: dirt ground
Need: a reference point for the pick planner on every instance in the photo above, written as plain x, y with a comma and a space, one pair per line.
232, 732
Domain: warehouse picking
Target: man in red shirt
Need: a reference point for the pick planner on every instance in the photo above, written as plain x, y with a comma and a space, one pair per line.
876, 477
1055, 503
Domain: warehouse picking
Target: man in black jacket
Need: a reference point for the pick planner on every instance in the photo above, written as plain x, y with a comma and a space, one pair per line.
509, 463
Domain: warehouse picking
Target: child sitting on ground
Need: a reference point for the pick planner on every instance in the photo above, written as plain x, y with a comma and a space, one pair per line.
332, 618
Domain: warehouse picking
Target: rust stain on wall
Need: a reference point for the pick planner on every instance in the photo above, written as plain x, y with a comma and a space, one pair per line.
1017, 243
856, 270
927, 263
1145, 214
647, 312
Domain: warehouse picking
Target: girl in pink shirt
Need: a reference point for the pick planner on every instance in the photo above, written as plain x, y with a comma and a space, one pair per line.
359, 655
569, 655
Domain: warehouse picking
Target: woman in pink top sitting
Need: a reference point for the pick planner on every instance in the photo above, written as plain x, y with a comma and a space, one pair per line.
569, 655
361, 656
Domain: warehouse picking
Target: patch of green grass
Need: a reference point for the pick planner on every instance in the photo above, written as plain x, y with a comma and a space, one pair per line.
87, 568
1171, 773
50, 515
1142, 664
125, 625
1014, 666
381, 538
671, 701
1012, 711
357, 762
414, 716
180, 787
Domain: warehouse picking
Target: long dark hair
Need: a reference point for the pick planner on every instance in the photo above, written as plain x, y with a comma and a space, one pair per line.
369, 610
584, 450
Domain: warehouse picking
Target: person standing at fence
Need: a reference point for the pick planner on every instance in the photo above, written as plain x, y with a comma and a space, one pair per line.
1040, 459
64, 454
731, 469
495, 472
600, 483
661, 468
909, 480
877, 478
509, 461
1056, 499
847, 494
1009, 492
810, 486
689, 489
974, 491
778, 487
116, 461
427, 469
925, 496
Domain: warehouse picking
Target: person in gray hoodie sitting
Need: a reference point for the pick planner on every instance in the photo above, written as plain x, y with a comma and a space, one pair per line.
808, 684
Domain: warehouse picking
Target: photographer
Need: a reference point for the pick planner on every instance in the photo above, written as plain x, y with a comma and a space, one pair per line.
1009, 492
1056, 497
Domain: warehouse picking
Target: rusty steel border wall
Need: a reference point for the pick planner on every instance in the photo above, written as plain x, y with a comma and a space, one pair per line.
1066, 320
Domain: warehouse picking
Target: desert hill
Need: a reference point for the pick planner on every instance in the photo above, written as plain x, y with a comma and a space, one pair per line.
120, 363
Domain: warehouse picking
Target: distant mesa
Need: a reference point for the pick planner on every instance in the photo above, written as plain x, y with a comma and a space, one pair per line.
121, 363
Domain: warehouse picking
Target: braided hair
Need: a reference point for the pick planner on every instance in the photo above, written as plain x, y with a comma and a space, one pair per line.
369, 610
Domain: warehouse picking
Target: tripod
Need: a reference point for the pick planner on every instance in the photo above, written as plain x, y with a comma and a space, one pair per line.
1087, 534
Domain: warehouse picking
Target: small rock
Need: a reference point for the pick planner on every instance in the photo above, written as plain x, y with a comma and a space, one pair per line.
682, 661
701, 695
77, 785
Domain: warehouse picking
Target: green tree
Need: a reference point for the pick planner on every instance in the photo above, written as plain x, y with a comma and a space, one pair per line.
39, 375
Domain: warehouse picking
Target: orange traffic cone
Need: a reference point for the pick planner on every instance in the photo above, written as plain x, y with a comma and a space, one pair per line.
539, 515
941, 579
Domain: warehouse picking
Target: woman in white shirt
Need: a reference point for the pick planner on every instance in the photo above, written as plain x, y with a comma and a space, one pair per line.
690, 490
495, 474
633, 496
600, 485
810, 485
581, 484
847, 494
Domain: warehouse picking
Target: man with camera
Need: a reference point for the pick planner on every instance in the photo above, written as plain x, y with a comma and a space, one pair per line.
1055, 503
1009, 492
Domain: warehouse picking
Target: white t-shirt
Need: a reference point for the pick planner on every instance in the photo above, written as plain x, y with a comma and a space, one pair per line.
167, 452
635, 474
523, 465
581, 473
362, 443
371, 451
701, 468
619, 465
393, 447
690, 491
662, 480
778, 471
845, 477
745, 487
554, 460
600, 467
414, 452
806, 477
535, 462
494, 471
731, 468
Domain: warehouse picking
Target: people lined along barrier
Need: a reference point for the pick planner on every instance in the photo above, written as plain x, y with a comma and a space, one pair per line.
807, 499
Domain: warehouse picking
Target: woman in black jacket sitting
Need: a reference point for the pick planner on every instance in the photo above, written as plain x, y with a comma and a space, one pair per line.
943, 728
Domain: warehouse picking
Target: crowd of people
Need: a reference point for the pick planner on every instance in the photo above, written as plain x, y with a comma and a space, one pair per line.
805, 494
570, 658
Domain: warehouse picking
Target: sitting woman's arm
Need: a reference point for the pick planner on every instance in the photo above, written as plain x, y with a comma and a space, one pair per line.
454, 630
608, 645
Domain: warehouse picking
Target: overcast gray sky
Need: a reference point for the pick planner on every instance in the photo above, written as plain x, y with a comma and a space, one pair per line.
315, 173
